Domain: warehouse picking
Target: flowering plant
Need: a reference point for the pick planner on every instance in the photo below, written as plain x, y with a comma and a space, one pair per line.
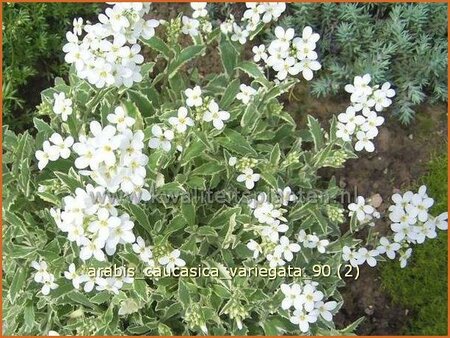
166, 201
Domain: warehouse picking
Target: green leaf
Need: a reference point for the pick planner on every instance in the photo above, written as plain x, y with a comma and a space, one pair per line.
209, 168
68, 181
196, 148
101, 298
230, 94
140, 215
144, 105
28, 315
206, 231
185, 56
183, 293
275, 155
253, 70
17, 283
188, 211
159, 45
172, 188
250, 117
235, 142
79, 298
228, 54
316, 132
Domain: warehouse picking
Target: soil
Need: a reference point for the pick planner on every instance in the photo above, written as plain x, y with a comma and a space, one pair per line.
400, 160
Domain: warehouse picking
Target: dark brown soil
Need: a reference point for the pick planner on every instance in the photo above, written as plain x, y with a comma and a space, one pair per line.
400, 160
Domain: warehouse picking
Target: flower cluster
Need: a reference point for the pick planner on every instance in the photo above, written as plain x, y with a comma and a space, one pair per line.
92, 221
205, 109
170, 260
81, 276
62, 105
108, 54
113, 156
199, 21
368, 101
246, 93
364, 212
245, 165
44, 277
290, 55
256, 13
54, 148
308, 304
411, 224
276, 247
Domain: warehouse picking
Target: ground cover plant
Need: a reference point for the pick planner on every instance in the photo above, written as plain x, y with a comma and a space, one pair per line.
383, 39
148, 165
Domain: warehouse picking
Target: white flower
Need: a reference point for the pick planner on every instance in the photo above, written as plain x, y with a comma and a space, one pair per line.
161, 139
249, 178
360, 87
92, 248
245, 94
215, 115
110, 284
364, 142
292, 296
121, 119
388, 248
285, 248
48, 153
309, 296
78, 26
190, 26
232, 161
441, 221
182, 121
199, 9
255, 247
286, 196
404, 257
322, 245
41, 274
382, 96
350, 256
63, 146
398, 215
360, 208
307, 67
275, 260
372, 122
239, 34
172, 260
49, 284
345, 131
324, 309
62, 105
272, 231
120, 233
72, 275
351, 119
148, 28
140, 248
303, 319
53, 333
308, 36
368, 256
194, 97
260, 53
